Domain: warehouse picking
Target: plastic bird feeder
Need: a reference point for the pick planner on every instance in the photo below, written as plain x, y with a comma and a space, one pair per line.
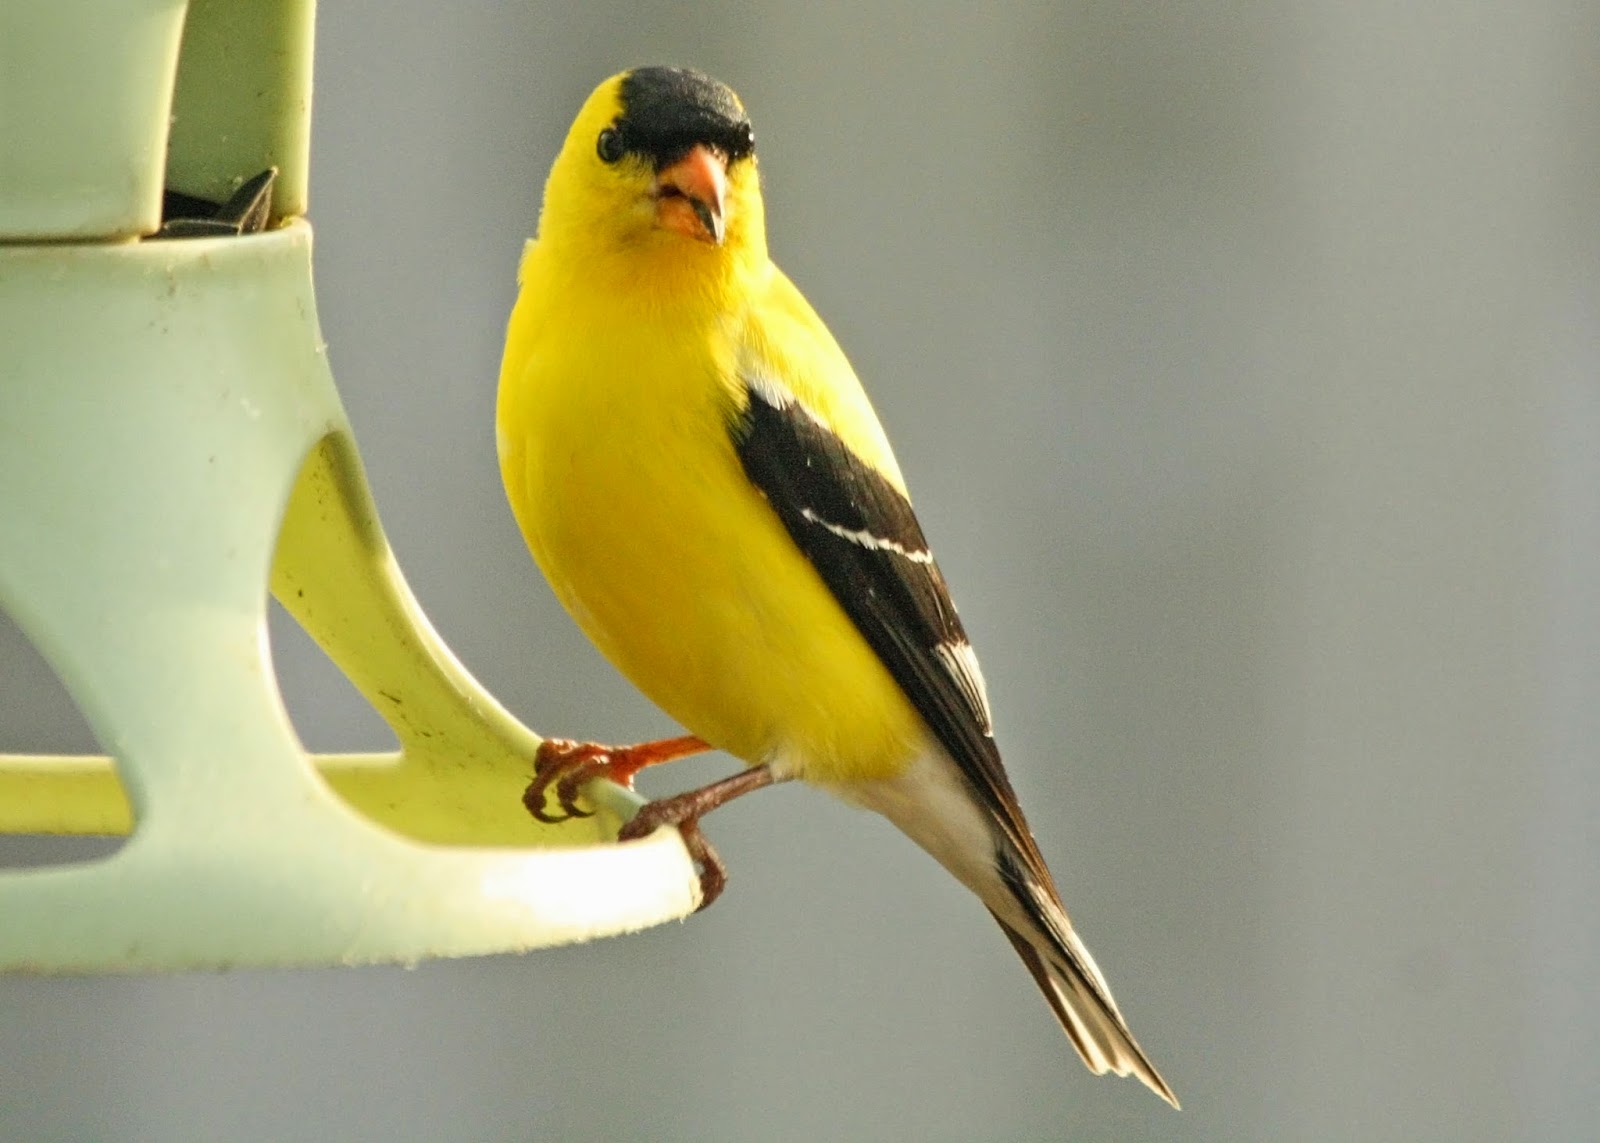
171, 444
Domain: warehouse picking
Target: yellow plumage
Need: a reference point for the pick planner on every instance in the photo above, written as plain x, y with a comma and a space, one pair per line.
613, 416
703, 482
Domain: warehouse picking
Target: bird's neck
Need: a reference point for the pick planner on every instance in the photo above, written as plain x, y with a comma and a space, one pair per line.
662, 278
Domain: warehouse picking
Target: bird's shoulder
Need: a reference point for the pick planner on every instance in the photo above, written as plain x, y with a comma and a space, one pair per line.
787, 350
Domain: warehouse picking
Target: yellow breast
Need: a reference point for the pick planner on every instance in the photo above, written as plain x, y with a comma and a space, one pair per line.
615, 451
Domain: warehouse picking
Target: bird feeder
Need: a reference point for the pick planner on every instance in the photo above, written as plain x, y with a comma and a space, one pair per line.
172, 447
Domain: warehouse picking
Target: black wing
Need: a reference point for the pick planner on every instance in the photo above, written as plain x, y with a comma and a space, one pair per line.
860, 533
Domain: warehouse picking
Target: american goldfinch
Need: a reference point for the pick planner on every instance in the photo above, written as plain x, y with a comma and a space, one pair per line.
701, 478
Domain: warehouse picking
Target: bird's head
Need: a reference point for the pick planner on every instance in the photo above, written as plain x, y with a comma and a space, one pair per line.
659, 165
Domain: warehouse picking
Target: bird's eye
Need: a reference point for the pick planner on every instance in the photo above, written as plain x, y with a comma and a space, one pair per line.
610, 147
746, 140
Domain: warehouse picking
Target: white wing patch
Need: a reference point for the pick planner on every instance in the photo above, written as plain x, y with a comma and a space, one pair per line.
869, 541
962, 662
774, 392
778, 395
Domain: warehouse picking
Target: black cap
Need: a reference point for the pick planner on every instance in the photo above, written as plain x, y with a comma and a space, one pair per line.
668, 110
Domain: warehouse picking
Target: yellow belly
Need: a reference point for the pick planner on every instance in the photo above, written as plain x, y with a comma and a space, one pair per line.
620, 470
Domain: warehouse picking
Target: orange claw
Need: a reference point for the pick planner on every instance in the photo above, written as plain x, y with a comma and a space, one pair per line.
568, 766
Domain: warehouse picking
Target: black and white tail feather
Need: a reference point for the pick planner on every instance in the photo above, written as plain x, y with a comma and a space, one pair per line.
858, 530
935, 806
1071, 982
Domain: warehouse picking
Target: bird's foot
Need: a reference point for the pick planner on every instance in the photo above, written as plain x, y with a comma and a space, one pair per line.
569, 766
713, 870
685, 810
566, 765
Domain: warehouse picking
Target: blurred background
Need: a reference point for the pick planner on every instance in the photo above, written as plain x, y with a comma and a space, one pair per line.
1243, 360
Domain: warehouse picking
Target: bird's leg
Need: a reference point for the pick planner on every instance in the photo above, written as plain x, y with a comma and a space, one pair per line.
685, 811
568, 765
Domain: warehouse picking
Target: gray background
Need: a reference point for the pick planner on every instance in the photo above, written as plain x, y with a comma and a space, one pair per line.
1243, 361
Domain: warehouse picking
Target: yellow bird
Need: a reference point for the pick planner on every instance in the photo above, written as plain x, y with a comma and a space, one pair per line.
702, 480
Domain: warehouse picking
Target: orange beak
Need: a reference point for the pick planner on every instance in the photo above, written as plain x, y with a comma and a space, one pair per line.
690, 195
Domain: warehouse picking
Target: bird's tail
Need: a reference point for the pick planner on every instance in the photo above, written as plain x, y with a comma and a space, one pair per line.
933, 803
1077, 993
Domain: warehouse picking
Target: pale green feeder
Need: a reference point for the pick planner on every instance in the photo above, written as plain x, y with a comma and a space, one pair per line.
171, 443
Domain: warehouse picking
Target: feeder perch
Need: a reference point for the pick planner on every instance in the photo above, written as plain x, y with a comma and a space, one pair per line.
171, 446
